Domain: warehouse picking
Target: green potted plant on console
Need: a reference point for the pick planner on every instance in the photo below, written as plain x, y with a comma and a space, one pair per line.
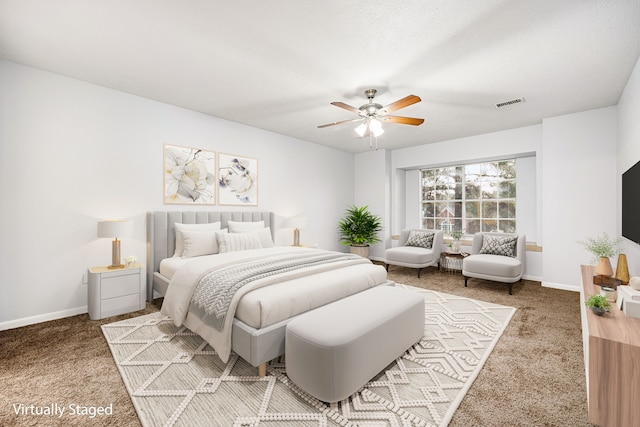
598, 304
359, 229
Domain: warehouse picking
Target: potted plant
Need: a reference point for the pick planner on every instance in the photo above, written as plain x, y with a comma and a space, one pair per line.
456, 235
598, 304
602, 248
359, 229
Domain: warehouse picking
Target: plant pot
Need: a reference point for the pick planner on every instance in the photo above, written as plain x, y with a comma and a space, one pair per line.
598, 311
604, 267
363, 251
455, 246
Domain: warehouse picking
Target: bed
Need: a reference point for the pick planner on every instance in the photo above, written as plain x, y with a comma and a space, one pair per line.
257, 329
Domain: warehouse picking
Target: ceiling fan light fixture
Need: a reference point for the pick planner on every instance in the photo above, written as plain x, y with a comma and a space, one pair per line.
376, 127
361, 129
372, 114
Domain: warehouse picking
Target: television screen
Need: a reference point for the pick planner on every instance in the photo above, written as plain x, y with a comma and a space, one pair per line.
631, 203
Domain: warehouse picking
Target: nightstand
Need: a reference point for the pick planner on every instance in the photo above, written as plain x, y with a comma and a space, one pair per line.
116, 291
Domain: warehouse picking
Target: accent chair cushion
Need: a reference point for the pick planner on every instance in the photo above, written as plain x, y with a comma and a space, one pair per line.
499, 245
408, 254
492, 265
421, 239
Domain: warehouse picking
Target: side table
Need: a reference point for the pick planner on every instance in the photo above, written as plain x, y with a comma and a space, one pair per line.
452, 261
116, 291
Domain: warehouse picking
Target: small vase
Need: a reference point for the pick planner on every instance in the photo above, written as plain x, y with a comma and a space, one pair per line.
622, 269
609, 293
455, 247
598, 311
604, 267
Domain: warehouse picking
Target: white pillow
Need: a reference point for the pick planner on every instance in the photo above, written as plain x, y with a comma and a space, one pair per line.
243, 227
198, 243
263, 234
229, 242
211, 226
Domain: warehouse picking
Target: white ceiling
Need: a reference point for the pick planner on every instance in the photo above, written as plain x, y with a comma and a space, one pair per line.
277, 64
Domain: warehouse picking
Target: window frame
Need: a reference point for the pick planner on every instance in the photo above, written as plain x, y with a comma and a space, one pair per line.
449, 187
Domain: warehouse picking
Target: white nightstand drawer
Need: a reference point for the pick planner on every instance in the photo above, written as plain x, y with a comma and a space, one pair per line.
118, 291
118, 286
120, 305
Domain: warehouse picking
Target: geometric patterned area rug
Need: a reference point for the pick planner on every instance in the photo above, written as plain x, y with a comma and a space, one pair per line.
175, 378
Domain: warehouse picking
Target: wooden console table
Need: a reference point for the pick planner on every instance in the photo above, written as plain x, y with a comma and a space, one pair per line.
611, 346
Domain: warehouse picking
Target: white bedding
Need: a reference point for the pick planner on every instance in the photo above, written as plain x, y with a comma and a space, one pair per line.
169, 266
259, 305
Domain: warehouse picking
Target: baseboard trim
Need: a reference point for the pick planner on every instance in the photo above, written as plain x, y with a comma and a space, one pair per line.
561, 286
25, 321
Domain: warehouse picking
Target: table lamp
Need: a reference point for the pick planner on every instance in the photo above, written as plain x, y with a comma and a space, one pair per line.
296, 222
115, 229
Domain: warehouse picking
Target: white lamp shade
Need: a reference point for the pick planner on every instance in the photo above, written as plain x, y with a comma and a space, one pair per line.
115, 229
376, 127
361, 129
297, 222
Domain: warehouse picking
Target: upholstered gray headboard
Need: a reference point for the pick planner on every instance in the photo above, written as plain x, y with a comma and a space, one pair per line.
161, 232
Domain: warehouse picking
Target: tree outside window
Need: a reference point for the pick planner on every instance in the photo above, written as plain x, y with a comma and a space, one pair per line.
474, 197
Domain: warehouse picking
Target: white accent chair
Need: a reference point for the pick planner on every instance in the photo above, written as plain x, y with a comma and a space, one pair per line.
414, 256
498, 268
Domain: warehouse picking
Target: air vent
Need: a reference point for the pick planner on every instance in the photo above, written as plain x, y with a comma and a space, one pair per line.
508, 103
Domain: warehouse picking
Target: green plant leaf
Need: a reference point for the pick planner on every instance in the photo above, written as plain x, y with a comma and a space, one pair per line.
601, 246
359, 227
598, 301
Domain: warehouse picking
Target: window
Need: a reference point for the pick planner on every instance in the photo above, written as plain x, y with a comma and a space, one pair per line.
474, 197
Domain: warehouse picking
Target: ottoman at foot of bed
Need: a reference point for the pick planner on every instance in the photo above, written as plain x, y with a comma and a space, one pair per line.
334, 350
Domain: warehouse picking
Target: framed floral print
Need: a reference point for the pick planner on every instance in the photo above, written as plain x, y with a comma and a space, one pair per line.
237, 180
189, 176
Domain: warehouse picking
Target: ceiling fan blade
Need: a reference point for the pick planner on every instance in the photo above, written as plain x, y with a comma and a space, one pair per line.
402, 120
346, 107
340, 122
401, 103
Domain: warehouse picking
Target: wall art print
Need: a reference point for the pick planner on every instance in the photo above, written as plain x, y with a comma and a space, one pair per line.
189, 176
237, 180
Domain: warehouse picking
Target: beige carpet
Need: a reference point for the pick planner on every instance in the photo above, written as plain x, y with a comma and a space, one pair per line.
175, 378
533, 377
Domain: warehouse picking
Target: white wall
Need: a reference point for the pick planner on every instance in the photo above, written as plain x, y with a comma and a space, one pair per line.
371, 187
578, 188
628, 154
72, 153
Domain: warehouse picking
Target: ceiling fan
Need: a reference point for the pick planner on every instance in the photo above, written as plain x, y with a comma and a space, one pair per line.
373, 114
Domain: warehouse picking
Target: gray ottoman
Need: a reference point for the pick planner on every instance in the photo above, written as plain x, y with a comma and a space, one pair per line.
334, 350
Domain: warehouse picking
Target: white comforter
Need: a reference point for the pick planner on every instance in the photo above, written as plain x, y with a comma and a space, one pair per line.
186, 278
